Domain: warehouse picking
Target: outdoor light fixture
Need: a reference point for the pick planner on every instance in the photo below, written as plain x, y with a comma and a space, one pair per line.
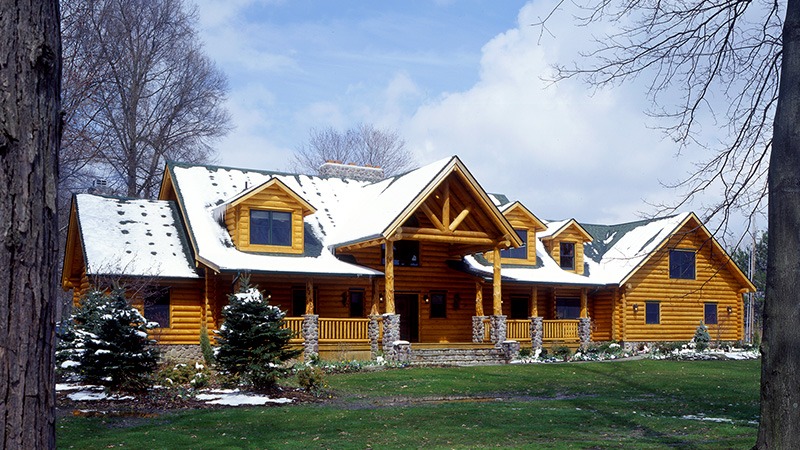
635, 307
426, 298
730, 310
380, 297
344, 298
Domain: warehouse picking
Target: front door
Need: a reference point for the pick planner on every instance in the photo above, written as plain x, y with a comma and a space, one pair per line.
407, 305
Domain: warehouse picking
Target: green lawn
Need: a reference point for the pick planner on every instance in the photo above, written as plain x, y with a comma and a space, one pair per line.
638, 404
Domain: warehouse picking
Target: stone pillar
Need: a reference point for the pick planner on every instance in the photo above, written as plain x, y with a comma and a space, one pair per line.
391, 332
310, 336
585, 331
374, 333
537, 333
498, 331
510, 350
478, 329
401, 352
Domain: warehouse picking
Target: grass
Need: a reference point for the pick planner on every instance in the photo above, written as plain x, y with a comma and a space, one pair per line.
632, 404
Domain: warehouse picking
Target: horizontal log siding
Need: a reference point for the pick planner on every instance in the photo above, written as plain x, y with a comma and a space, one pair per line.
601, 313
237, 220
682, 301
185, 313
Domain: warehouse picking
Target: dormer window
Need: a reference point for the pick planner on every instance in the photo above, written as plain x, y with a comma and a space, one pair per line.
519, 252
567, 252
270, 227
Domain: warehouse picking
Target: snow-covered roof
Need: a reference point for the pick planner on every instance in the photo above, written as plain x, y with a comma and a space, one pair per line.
133, 237
617, 250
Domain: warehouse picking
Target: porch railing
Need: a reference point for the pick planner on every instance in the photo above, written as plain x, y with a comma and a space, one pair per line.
296, 325
343, 330
560, 330
518, 329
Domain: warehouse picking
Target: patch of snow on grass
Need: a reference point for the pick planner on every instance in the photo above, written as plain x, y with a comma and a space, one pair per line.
230, 397
88, 395
706, 419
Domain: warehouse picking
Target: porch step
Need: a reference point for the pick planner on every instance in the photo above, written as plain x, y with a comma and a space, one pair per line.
456, 356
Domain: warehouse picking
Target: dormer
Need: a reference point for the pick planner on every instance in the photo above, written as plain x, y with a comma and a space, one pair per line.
267, 218
526, 225
564, 243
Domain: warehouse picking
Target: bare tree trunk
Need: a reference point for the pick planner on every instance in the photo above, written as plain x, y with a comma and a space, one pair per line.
30, 70
780, 367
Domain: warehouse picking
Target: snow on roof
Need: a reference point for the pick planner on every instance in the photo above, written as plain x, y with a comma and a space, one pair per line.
133, 237
203, 188
548, 271
553, 226
622, 248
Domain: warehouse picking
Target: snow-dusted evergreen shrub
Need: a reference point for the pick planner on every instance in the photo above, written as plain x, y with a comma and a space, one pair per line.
701, 338
110, 346
251, 343
205, 346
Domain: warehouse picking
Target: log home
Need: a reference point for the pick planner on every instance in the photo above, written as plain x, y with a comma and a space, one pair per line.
363, 264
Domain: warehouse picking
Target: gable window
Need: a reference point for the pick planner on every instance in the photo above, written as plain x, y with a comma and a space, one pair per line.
568, 308
356, 303
519, 252
438, 305
519, 307
710, 314
681, 264
567, 252
270, 227
406, 253
156, 307
652, 312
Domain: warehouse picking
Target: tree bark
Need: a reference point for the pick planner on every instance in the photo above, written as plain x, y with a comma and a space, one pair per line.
30, 71
780, 386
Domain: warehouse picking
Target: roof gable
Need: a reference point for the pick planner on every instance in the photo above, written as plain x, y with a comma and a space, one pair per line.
555, 229
272, 183
522, 214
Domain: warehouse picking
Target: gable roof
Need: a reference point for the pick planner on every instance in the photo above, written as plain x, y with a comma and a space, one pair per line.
538, 225
131, 237
555, 228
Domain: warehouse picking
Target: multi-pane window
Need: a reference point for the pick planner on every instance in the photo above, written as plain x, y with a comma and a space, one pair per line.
438, 304
519, 252
156, 307
710, 314
681, 264
270, 227
567, 255
406, 253
568, 308
652, 312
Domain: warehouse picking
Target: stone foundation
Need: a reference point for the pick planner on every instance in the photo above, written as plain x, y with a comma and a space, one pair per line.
585, 331
310, 336
478, 329
181, 353
537, 324
510, 350
498, 332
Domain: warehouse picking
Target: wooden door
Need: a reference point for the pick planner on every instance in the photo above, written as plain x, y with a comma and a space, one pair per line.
407, 305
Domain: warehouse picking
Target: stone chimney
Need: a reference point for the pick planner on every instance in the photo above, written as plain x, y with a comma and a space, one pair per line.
351, 171
99, 186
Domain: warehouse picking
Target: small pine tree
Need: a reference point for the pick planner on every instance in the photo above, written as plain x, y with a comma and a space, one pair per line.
111, 343
701, 338
205, 346
251, 343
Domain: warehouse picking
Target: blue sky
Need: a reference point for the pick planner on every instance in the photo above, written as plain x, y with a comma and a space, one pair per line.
452, 77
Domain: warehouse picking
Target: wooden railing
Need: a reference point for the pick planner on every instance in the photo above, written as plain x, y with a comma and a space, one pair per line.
560, 330
518, 329
343, 330
296, 325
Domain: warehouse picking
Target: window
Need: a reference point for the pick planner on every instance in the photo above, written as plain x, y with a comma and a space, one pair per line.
567, 252
520, 252
710, 314
652, 312
568, 308
519, 307
438, 305
270, 227
681, 264
356, 303
156, 307
406, 253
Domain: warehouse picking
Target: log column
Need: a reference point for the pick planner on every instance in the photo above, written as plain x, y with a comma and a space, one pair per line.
584, 304
310, 325
498, 320
309, 296
391, 320
478, 330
